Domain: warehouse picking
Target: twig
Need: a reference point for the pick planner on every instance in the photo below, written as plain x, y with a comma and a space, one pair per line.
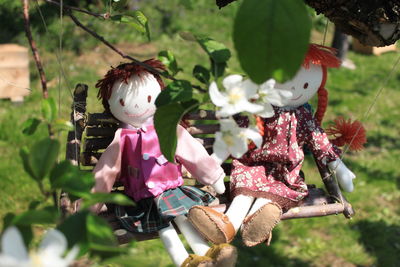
36, 57
103, 16
34, 49
69, 10
123, 55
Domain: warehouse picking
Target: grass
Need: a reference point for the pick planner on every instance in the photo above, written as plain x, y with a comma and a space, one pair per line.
371, 238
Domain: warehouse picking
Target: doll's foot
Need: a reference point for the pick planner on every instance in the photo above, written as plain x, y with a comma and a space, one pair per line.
224, 255
198, 261
214, 226
257, 227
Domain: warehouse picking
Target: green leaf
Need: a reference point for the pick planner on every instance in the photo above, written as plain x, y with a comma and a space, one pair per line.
72, 180
42, 157
30, 125
44, 216
169, 60
217, 69
215, 50
49, 109
62, 125
202, 74
166, 120
177, 91
24, 154
74, 229
7, 220
136, 19
115, 198
99, 231
271, 38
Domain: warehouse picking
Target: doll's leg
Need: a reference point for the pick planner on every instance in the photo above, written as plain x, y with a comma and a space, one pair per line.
217, 227
223, 255
173, 245
195, 240
258, 204
258, 225
238, 210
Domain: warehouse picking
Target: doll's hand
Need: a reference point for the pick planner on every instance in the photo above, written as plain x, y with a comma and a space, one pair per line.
219, 185
343, 174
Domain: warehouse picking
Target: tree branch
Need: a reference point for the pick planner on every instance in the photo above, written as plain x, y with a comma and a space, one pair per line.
97, 15
34, 49
123, 55
36, 57
69, 10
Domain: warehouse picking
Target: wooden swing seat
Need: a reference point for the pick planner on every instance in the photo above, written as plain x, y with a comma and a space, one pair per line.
95, 131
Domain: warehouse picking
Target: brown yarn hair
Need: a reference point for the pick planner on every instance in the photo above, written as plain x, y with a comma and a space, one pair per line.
125, 71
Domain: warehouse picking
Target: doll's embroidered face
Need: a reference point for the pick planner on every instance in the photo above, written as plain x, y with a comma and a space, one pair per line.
133, 102
304, 85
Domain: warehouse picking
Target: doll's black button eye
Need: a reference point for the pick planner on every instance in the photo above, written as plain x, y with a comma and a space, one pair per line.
121, 101
149, 98
305, 86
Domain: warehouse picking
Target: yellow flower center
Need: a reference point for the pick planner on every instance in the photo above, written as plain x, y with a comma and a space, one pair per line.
35, 259
228, 139
235, 95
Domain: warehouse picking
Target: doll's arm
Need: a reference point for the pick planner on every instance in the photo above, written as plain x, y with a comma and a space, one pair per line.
196, 160
107, 169
343, 174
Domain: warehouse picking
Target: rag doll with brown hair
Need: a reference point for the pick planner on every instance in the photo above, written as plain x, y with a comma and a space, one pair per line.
129, 92
266, 181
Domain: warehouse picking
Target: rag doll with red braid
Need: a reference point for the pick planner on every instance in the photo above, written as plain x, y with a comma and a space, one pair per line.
267, 180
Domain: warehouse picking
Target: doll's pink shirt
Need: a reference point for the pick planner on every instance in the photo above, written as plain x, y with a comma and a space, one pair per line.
189, 152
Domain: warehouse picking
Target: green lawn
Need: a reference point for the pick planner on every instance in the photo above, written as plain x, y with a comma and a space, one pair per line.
371, 238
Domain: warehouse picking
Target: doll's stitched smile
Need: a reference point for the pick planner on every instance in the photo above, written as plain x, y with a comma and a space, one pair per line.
297, 97
136, 115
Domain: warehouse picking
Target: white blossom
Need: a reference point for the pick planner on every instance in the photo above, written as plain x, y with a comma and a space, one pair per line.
236, 97
269, 95
233, 140
49, 254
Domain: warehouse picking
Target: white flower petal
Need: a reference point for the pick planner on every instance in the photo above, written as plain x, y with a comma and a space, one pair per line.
249, 88
232, 81
285, 93
13, 245
254, 136
54, 243
220, 148
215, 95
249, 107
228, 124
268, 85
6, 261
239, 148
267, 111
227, 110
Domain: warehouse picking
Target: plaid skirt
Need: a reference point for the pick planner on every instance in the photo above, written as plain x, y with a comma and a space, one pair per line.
153, 214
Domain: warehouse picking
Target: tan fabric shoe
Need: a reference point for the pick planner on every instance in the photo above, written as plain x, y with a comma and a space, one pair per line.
213, 225
224, 255
198, 261
257, 227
